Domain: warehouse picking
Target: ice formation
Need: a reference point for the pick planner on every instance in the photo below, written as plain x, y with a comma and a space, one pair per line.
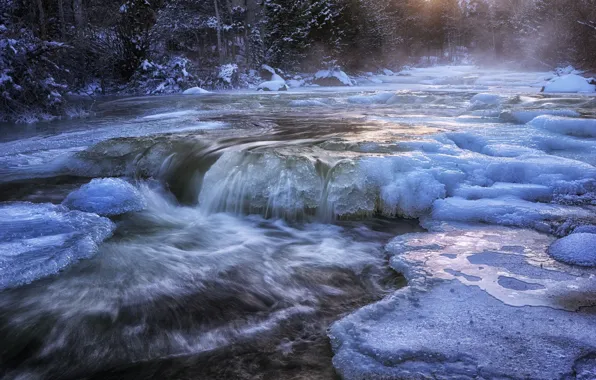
107, 197
578, 248
566, 126
482, 302
273, 85
39, 240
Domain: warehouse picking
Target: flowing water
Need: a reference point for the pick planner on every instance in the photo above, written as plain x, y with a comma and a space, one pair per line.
264, 220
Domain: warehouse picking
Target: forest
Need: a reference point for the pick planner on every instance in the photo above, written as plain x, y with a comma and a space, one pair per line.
52, 50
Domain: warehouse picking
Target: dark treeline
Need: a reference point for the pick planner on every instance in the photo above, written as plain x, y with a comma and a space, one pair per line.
51, 47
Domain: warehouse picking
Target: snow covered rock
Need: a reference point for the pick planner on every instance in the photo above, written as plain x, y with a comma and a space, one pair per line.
195, 91
273, 85
39, 240
566, 126
569, 83
334, 77
575, 249
106, 196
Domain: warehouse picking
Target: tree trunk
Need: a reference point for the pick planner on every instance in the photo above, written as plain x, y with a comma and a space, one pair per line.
42, 19
219, 47
61, 15
77, 7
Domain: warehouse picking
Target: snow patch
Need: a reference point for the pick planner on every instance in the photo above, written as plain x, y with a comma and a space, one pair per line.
569, 83
566, 126
575, 249
195, 91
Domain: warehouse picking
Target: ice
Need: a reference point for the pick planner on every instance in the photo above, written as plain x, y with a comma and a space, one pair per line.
171, 115
505, 210
307, 103
379, 98
578, 248
481, 302
488, 99
526, 116
195, 91
273, 85
528, 192
566, 126
569, 83
106, 197
39, 240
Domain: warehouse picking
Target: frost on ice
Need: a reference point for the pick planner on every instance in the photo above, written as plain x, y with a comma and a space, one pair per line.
39, 240
107, 197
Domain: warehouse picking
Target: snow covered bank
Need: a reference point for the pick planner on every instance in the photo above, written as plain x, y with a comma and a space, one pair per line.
39, 240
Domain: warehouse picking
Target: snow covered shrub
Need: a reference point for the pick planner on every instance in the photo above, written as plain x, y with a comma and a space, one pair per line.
170, 77
30, 79
228, 75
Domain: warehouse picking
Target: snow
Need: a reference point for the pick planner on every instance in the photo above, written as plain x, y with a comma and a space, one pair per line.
195, 91
576, 249
589, 229
39, 240
566, 126
227, 72
106, 197
333, 76
569, 83
273, 85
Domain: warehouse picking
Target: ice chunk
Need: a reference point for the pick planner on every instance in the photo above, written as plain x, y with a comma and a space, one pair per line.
106, 196
527, 192
566, 126
273, 85
38, 240
195, 91
380, 98
307, 103
576, 249
171, 115
525, 116
508, 211
488, 99
569, 83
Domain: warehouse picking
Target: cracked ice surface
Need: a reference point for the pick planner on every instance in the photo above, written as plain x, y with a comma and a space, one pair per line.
482, 302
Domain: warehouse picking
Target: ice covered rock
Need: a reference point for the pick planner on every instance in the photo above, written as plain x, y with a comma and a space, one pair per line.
273, 85
106, 196
380, 98
566, 126
195, 91
39, 240
334, 77
569, 83
575, 249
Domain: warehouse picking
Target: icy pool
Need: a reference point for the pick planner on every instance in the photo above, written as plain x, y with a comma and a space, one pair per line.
435, 222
